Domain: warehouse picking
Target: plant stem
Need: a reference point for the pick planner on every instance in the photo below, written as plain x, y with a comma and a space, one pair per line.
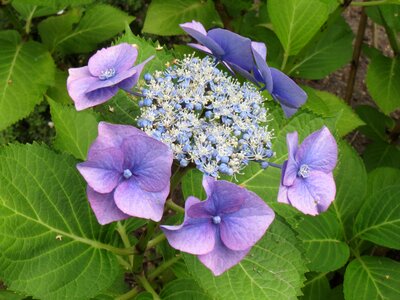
177, 177
129, 295
125, 239
147, 286
170, 204
141, 247
29, 21
158, 239
275, 165
370, 3
284, 62
356, 57
163, 267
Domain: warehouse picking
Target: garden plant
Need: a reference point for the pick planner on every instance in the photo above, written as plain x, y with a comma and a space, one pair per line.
195, 149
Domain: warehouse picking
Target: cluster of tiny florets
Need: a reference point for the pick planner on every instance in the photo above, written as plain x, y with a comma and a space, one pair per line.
206, 117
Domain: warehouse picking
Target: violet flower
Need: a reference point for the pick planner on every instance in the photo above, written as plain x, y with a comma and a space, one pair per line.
222, 229
128, 174
107, 71
307, 181
226, 46
281, 87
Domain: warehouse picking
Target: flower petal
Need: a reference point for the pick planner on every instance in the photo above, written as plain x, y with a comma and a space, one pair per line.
237, 49
104, 207
283, 194
222, 258
103, 169
120, 58
132, 200
200, 47
197, 31
314, 194
288, 111
194, 235
286, 91
291, 168
118, 78
243, 228
149, 160
319, 151
130, 82
260, 54
112, 135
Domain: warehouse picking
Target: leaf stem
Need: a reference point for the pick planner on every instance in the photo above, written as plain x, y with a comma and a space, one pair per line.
370, 3
275, 165
147, 286
158, 239
152, 275
129, 295
172, 205
125, 239
141, 247
284, 62
29, 21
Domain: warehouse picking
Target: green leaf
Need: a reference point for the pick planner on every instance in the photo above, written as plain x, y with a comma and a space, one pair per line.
26, 70
192, 185
147, 48
273, 269
379, 218
51, 244
98, 24
164, 16
329, 105
75, 130
381, 178
322, 238
376, 123
381, 154
330, 51
144, 296
388, 14
349, 199
58, 92
316, 288
296, 21
183, 289
370, 277
9, 295
29, 11
383, 77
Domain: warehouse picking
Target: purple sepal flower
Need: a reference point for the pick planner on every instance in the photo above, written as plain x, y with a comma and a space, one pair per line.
128, 174
222, 229
108, 70
226, 46
307, 181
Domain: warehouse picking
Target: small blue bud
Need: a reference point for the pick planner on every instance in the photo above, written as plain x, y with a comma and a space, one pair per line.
189, 106
183, 163
212, 139
237, 132
246, 136
198, 106
264, 164
141, 103
208, 114
225, 159
147, 102
148, 77
269, 153
177, 106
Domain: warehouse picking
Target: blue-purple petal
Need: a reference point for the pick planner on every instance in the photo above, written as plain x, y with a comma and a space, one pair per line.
289, 174
260, 54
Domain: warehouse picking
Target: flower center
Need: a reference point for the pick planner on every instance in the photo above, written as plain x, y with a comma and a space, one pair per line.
127, 173
304, 171
216, 219
107, 74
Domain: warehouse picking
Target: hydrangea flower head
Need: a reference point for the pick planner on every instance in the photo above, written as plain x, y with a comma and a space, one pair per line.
206, 117
108, 70
222, 229
224, 45
307, 181
128, 174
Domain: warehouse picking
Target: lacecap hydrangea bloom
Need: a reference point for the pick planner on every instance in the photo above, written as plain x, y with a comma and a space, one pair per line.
247, 58
307, 181
109, 70
206, 117
222, 229
128, 174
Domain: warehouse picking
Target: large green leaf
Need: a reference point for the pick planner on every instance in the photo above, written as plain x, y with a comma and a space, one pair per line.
26, 70
51, 244
388, 14
379, 218
75, 130
322, 237
381, 154
147, 48
368, 278
58, 92
98, 24
164, 16
192, 185
376, 123
9, 295
349, 198
296, 21
274, 269
383, 77
381, 178
332, 50
183, 289
316, 288
329, 105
